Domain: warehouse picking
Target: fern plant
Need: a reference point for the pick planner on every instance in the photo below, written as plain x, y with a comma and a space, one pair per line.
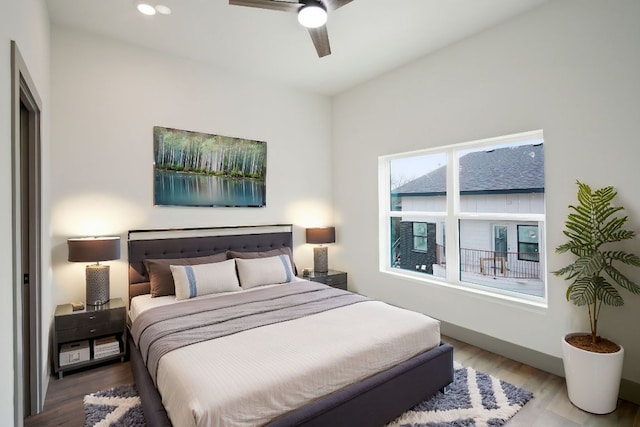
593, 228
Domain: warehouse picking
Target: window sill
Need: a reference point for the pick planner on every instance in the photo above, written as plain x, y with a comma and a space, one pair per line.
461, 288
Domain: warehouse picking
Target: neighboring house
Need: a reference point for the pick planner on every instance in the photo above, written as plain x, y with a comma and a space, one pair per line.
504, 180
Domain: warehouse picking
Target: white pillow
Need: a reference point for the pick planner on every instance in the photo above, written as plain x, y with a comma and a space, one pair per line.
264, 271
195, 280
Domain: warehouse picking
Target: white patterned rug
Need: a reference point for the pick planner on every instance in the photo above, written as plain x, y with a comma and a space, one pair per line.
117, 407
473, 399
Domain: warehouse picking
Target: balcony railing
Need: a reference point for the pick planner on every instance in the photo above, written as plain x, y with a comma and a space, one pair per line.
516, 265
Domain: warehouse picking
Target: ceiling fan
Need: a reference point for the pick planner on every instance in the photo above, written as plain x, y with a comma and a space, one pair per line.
312, 14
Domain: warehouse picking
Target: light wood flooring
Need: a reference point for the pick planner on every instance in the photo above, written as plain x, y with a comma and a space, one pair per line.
550, 406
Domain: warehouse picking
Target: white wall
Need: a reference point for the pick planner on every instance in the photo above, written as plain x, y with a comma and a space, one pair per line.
106, 98
570, 68
26, 22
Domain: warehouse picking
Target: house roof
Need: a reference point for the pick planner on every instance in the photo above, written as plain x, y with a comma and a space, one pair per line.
503, 170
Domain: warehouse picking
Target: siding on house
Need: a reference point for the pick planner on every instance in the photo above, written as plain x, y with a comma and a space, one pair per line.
483, 203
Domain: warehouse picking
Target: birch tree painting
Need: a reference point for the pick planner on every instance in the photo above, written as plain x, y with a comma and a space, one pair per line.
199, 169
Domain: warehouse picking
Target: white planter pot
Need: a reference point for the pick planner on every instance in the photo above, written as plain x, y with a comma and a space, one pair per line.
593, 379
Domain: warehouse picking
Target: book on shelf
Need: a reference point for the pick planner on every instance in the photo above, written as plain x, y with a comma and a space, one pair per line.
106, 342
106, 353
105, 347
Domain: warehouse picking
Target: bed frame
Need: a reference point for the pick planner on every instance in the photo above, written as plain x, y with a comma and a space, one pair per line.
373, 402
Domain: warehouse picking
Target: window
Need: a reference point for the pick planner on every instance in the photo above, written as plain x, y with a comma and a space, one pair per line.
470, 214
528, 243
420, 236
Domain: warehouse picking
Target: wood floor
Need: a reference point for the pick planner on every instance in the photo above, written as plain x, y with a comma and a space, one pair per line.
550, 406
63, 403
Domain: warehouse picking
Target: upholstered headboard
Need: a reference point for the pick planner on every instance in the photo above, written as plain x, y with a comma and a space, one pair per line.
197, 242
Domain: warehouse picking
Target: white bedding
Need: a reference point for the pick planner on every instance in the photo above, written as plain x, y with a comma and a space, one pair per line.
144, 302
249, 378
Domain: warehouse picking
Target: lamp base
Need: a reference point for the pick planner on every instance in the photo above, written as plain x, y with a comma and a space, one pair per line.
320, 259
97, 291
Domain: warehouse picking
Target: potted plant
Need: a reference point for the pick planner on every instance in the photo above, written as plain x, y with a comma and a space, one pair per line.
592, 364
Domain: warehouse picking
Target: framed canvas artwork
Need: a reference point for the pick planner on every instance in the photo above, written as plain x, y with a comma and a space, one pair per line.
199, 169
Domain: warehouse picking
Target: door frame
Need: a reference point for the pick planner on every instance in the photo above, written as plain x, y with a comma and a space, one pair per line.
23, 91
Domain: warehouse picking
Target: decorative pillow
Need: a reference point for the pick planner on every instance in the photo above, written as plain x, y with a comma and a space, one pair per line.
160, 274
264, 254
203, 279
264, 271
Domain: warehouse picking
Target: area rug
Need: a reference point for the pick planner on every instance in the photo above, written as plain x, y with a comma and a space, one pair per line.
473, 399
117, 407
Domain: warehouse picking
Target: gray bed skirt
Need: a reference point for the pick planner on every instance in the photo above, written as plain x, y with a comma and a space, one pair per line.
372, 402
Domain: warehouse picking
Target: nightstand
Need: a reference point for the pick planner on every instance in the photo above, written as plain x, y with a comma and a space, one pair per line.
337, 279
88, 337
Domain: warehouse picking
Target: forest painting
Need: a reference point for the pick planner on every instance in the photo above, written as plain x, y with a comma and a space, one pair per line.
199, 169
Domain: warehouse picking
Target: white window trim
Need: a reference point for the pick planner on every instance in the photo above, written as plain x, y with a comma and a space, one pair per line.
452, 236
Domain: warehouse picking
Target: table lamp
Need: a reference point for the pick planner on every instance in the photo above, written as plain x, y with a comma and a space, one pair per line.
320, 236
95, 249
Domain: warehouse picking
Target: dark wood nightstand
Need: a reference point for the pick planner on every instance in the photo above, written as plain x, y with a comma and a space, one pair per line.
337, 279
85, 337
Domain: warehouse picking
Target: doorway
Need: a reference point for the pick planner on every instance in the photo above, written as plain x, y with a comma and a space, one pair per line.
26, 169
500, 242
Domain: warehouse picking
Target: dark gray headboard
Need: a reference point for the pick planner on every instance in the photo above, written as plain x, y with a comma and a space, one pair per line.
195, 242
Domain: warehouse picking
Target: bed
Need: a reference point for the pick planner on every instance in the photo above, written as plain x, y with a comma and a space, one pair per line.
282, 372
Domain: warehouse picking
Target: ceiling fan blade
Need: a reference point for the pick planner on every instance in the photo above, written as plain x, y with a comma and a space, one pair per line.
283, 6
320, 39
335, 4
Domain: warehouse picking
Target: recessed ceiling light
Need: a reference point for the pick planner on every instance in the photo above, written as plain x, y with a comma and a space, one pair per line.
146, 9
163, 10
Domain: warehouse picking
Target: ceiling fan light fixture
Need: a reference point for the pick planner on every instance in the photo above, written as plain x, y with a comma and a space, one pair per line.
312, 15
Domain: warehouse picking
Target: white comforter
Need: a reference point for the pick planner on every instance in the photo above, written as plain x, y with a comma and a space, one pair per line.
249, 378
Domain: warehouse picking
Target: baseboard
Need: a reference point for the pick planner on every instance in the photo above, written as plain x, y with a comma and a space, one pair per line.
629, 390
